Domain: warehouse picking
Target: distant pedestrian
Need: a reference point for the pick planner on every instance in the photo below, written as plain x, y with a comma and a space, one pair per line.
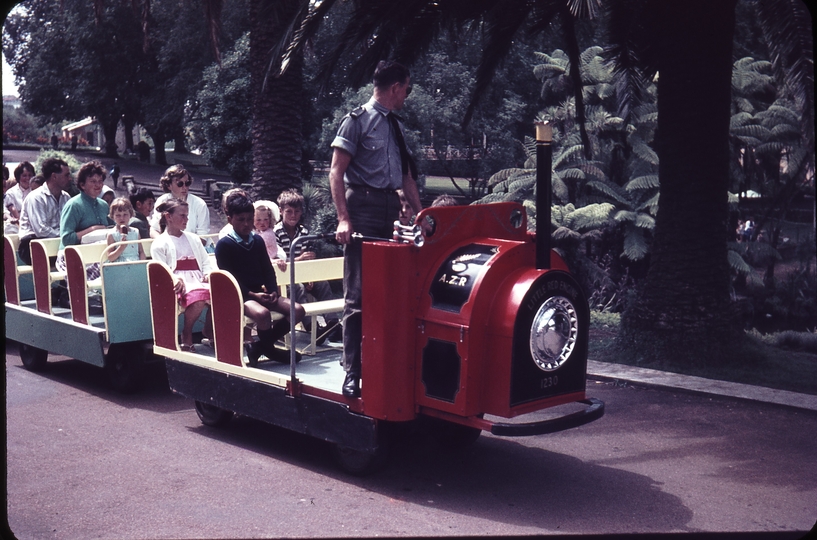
55, 142
74, 142
115, 174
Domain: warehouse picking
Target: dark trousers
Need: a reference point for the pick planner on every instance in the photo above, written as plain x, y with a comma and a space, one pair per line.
373, 214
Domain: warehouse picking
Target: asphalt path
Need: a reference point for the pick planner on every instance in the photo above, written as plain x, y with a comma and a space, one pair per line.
86, 462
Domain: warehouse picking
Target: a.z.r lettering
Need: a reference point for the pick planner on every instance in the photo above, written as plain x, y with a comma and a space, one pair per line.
459, 281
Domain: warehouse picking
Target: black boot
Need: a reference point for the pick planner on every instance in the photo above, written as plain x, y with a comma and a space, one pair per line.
253, 353
351, 385
267, 342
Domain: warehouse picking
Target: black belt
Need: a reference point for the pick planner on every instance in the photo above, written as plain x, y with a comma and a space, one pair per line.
369, 189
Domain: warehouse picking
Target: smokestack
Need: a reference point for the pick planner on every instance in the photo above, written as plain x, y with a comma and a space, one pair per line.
544, 163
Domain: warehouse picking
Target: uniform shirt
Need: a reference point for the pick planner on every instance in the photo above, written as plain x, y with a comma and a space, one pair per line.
41, 213
366, 134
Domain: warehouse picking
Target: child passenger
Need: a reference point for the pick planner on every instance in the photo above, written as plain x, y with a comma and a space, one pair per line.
243, 254
121, 213
186, 257
265, 219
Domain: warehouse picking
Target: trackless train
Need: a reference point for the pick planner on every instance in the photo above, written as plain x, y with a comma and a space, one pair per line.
470, 328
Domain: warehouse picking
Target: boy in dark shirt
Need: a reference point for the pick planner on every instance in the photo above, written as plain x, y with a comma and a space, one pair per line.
244, 255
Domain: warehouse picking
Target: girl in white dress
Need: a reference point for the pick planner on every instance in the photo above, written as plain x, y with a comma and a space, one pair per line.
184, 254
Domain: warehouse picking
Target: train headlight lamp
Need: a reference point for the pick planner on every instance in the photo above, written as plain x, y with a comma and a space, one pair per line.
553, 333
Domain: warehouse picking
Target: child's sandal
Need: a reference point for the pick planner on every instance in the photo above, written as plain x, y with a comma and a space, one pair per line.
188, 348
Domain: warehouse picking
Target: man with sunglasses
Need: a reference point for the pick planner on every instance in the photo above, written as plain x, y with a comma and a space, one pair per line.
176, 183
370, 162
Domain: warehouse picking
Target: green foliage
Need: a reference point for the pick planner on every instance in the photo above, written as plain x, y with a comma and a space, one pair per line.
73, 165
221, 123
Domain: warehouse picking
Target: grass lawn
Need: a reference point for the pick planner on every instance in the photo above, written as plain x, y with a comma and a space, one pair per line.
772, 366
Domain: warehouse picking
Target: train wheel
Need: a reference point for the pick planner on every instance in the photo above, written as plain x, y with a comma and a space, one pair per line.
359, 463
449, 434
34, 359
125, 366
210, 415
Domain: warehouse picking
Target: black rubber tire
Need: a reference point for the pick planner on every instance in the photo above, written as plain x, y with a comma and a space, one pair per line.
125, 366
212, 416
359, 463
34, 359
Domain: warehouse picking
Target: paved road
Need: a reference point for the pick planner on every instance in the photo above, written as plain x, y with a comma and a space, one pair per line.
84, 462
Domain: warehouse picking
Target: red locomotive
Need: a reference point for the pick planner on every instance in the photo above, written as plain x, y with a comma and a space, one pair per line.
460, 327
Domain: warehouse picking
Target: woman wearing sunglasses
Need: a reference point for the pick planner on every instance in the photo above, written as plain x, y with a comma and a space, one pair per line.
176, 184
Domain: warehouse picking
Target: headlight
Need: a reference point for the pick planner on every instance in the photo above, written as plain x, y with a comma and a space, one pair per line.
553, 333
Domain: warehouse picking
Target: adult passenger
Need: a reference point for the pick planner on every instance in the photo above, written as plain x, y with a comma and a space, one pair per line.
176, 184
370, 162
42, 208
85, 213
14, 197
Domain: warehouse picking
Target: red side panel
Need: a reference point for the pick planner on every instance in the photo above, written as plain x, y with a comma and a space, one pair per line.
77, 285
41, 268
389, 311
228, 317
163, 306
10, 271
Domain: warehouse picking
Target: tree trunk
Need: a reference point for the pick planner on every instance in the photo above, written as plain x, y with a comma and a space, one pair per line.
277, 105
682, 312
159, 141
109, 130
128, 122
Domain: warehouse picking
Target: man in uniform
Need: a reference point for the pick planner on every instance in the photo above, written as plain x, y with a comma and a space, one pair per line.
370, 162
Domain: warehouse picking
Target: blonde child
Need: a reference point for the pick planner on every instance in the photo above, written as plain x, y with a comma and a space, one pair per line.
121, 213
186, 257
265, 220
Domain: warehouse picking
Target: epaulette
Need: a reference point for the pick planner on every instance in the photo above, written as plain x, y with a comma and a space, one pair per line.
357, 112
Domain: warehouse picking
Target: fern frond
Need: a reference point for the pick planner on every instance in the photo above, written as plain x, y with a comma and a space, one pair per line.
504, 174
635, 244
610, 190
571, 174
645, 152
563, 234
737, 263
648, 181
751, 130
625, 216
590, 217
645, 221
559, 188
651, 205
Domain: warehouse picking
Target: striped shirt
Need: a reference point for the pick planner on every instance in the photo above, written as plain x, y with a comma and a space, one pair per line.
285, 241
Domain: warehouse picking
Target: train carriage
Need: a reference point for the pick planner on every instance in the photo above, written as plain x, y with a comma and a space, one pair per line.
459, 329
107, 320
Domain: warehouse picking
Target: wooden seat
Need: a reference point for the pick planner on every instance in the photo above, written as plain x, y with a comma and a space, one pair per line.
311, 271
42, 250
76, 259
13, 268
